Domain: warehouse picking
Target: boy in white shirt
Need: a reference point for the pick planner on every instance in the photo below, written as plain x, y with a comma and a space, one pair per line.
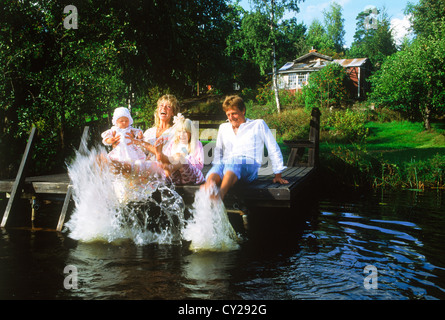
239, 149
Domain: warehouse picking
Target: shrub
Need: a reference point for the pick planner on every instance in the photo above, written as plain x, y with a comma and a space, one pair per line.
346, 125
326, 87
289, 124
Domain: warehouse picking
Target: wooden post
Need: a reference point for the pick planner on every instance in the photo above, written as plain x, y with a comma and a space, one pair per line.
20, 179
314, 137
298, 146
69, 192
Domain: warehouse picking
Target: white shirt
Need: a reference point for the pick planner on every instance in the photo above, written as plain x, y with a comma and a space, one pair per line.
249, 142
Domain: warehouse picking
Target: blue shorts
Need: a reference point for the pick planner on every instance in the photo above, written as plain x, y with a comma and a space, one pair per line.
245, 169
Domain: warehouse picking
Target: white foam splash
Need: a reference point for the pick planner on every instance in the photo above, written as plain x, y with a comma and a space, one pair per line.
109, 207
210, 228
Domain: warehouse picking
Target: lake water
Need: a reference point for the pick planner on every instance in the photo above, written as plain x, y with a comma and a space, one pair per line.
381, 245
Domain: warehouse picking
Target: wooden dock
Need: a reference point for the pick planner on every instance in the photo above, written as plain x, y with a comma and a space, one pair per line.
301, 170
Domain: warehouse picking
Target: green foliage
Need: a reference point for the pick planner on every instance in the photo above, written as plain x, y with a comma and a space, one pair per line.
57, 79
289, 124
375, 43
326, 87
265, 96
425, 15
357, 167
347, 125
252, 37
413, 81
334, 23
318, 38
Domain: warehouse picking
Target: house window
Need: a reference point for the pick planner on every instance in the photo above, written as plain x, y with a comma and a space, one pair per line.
292, 81
302, 80
282, 82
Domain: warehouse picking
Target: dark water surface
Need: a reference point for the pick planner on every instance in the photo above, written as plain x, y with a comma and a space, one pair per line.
320, 253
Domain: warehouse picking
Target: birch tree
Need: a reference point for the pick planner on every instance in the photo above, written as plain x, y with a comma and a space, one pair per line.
275, 9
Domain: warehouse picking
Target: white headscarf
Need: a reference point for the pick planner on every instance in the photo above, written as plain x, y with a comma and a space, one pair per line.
122, 112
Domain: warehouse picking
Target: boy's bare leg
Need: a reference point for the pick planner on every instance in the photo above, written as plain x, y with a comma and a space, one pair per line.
228, 181
212, 179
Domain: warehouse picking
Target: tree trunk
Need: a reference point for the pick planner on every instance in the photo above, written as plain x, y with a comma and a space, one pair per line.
274, 81
426, 118
274, 60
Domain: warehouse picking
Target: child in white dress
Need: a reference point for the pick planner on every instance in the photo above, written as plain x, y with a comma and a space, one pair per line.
125, 151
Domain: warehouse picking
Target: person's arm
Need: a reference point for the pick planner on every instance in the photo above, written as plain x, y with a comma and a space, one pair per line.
145, 145
274, 154
109, 138
197, 158
218, 152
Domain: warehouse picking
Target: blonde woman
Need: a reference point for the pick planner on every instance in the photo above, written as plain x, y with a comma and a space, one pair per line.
162, 132
155, 138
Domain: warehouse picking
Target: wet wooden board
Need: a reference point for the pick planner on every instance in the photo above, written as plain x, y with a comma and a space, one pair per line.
262, 189
56, 184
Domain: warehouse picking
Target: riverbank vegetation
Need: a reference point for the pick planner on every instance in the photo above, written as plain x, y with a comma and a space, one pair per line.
60, 79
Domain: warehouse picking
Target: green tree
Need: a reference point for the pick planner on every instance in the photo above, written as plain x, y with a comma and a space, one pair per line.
425, 15
326, 87
335, 26
274, 10
57, 78
291, 40
413, 80
373, 37
54, 78
318, 39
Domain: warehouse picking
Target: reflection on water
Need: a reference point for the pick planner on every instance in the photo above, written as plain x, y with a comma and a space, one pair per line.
320, 253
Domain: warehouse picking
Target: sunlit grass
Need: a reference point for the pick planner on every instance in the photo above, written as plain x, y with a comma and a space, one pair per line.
403, 135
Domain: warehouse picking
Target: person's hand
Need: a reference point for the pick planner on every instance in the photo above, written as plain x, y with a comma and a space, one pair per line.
114, 140
279, 179
130, 136
160, 141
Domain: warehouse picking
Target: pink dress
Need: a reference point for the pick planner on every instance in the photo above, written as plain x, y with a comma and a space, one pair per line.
190, 172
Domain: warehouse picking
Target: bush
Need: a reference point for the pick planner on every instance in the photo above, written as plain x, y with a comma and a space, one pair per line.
289, 124
326, 87
356, 167
346, 125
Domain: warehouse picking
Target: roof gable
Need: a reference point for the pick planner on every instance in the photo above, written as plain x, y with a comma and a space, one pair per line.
312, 56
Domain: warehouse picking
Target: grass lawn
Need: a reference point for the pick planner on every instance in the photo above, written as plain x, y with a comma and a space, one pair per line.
400, 141
402, 135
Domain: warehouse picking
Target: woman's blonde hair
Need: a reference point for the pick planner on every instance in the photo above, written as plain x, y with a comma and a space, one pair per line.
174, 103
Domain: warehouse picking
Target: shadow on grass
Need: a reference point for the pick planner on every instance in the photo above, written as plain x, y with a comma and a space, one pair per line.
409, 154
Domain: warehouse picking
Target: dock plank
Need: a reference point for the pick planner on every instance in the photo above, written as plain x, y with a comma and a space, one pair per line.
262, 189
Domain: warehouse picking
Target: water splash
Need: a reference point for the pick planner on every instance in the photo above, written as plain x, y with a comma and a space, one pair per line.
145, 210
111, 208
210, 228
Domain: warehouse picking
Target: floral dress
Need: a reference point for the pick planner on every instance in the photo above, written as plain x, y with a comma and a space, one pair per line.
190, 172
